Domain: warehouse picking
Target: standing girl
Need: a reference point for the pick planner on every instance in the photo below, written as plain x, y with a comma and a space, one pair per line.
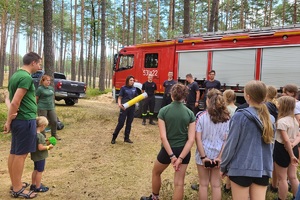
247, 156
211, 133
286, 151
46, 104
177, 132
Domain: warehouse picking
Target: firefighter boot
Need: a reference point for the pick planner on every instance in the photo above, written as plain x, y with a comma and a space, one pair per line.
144, 121
151, 120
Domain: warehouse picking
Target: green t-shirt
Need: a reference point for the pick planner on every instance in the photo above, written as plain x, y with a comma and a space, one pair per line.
28, 107
46, 97
39, 155
177, 118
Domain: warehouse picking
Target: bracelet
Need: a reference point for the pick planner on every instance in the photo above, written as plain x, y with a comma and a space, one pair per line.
203, 157
180, 158
48, 148
172, 156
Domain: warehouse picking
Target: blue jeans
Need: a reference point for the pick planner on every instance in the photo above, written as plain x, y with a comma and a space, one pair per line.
298, 193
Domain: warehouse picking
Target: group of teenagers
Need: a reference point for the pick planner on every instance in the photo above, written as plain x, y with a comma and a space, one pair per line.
245, 145
29, 113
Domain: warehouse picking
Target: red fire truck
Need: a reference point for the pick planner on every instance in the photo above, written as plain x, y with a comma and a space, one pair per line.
271, 55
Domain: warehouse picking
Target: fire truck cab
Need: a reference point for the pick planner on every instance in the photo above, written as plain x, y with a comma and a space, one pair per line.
271, 55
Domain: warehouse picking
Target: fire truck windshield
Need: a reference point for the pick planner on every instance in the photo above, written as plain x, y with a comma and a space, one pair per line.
126, 62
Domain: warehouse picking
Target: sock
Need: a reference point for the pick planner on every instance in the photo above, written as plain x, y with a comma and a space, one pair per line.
155, 196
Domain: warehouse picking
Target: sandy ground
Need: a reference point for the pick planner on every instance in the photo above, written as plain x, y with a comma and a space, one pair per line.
84, 165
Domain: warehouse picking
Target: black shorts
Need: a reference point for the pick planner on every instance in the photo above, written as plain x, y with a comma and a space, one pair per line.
281, 156
164, 158
39, 165
246, 181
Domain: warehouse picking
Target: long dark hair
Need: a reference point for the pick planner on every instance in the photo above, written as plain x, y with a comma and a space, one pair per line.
127, 80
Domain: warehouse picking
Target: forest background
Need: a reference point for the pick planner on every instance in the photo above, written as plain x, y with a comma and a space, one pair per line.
80, 37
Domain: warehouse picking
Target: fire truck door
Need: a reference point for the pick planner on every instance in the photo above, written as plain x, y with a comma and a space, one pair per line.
152, 66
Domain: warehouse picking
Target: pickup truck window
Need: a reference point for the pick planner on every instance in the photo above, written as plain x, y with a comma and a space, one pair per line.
38, 74
126, 62
59, 76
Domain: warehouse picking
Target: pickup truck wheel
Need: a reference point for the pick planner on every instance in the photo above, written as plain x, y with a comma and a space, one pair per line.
69, 102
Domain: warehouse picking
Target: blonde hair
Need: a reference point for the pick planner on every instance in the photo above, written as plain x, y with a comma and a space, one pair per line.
257, 92
41, 120
217, 107
271, 94
229, 96
286, 106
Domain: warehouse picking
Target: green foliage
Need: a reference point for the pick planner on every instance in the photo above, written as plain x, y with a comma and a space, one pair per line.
92, 92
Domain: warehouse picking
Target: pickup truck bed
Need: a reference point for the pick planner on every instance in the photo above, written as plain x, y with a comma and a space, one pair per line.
67, 90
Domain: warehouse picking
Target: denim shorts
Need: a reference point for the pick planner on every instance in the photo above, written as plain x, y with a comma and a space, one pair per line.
23, 136
40, 165
164, 158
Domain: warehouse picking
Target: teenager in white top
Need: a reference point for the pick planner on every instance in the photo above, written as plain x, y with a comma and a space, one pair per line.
211, 132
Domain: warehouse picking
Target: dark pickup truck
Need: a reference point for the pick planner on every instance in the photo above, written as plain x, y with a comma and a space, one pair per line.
70, 91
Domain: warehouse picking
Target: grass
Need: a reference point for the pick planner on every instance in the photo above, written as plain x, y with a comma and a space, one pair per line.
92, 92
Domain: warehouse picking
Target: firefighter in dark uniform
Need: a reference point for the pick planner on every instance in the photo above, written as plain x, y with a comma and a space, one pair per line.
127, 93
149, 87
168, 85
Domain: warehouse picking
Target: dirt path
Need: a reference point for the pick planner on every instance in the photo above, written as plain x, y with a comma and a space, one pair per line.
84, 165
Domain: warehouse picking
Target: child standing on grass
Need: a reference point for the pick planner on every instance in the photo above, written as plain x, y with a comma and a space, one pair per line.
39, 157
211, 132
286, 151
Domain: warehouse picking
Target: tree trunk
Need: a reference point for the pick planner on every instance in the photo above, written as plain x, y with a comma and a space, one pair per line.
48, 48
283, 12
147, 21
73, 62
242, 14
61, 63
216, 15
158, 20
128, 23
186, 17
295, 12
14, 53
103, 48
80, 66
124, 23
170, 18
134, 23
3, 41
270, 12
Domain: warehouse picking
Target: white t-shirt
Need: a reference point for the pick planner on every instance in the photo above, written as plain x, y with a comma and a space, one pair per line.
231, 109
297, 108
288, 124
213, 136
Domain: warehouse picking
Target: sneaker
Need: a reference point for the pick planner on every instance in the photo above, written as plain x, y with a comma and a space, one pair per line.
272, 189
32, 187
226, 190
146, 198
144, 123
195, 187
113, 141
128, 140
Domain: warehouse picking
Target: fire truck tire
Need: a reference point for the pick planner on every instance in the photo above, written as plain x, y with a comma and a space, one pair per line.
138, 109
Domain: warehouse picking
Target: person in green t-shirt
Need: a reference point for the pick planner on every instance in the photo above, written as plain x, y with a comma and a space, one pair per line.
39, 157
177, 132
46, 105
21, 121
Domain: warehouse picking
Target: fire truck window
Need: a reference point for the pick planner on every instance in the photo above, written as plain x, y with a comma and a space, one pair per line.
151, 60
126, 62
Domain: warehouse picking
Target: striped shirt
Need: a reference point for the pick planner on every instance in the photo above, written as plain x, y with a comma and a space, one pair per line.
213, 136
